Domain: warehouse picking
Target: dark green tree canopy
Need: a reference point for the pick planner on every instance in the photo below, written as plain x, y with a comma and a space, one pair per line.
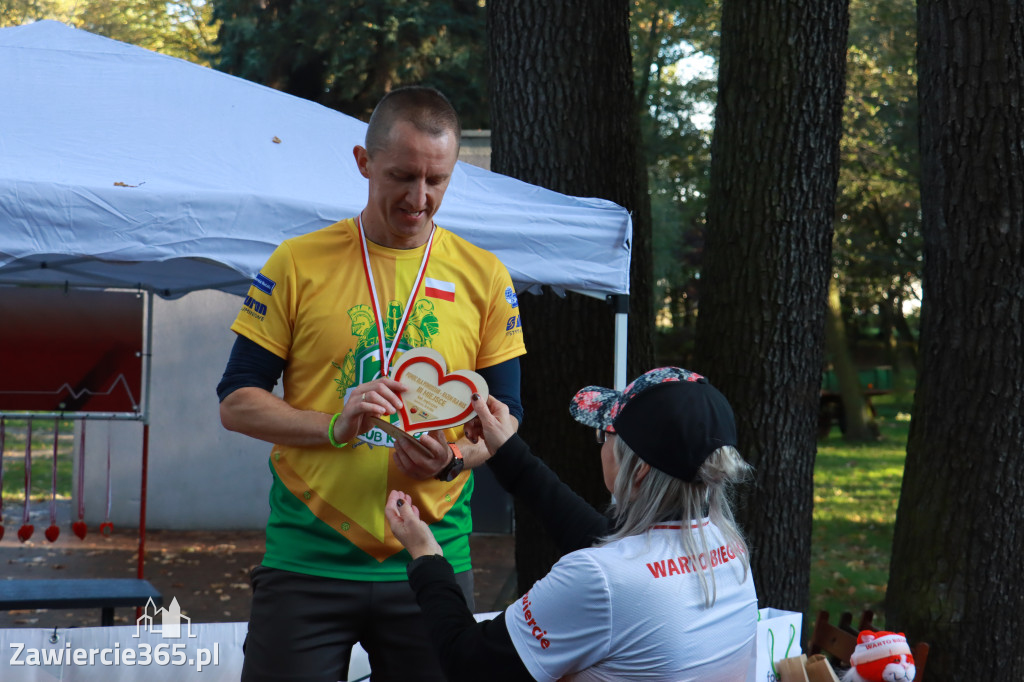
347, 55
877, 253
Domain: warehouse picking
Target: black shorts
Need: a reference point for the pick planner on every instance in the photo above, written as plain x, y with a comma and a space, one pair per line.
302, 628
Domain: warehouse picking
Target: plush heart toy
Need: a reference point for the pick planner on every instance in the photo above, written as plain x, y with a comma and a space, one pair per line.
80, 529
881, 657
52, 533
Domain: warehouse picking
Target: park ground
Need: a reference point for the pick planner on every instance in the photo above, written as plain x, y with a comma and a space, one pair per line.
207, 571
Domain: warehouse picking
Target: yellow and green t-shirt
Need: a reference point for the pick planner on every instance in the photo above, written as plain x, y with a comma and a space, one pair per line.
310, 304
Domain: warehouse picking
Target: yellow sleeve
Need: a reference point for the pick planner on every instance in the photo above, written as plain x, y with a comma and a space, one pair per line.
502, 337
268, 310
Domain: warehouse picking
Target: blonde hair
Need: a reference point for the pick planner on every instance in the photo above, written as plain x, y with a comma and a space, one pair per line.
660, 497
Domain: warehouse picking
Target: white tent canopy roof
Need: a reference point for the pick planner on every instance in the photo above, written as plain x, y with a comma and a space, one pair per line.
124, 167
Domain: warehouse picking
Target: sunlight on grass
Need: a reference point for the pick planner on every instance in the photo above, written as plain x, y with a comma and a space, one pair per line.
856, 493
42, 460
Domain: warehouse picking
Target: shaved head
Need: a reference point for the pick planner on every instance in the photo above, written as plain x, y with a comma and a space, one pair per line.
425, 108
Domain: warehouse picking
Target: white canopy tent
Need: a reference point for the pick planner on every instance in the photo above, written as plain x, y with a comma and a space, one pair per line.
121, 166
125, 168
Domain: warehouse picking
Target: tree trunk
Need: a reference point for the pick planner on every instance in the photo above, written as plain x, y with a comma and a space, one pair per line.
563, 117
955, 577
774, 167
859, 424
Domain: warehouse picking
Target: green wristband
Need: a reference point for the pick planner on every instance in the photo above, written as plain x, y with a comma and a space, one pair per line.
330, 432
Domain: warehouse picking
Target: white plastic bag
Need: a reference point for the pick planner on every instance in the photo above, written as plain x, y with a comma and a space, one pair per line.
778, 637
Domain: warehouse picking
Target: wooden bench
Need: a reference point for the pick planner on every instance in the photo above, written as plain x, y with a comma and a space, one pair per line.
105, 593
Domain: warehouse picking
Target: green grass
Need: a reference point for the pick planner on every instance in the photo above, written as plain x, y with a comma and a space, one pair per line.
42, 460
856, 493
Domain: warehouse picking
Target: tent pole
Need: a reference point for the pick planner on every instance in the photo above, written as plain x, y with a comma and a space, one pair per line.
143, 485
620, 305
142, 500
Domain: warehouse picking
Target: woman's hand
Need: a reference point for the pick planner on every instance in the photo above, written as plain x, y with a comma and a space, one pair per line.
496, 424
411, 531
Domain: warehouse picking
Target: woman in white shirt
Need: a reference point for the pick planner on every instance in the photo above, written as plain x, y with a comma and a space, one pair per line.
659, 589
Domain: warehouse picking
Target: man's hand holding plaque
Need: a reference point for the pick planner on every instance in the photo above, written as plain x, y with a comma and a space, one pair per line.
434, 397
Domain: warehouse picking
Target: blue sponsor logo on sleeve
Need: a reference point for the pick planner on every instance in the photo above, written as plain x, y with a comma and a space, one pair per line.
510, 296
251, 304
264, 283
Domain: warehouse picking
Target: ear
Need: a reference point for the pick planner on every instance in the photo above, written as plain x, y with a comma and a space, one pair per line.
641, 473
362, 158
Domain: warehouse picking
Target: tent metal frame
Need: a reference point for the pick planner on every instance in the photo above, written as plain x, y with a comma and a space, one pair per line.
142, 415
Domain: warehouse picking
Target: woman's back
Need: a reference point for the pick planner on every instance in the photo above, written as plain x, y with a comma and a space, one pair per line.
634, 609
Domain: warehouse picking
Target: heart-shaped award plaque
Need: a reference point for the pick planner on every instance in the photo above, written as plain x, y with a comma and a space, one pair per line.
436, 398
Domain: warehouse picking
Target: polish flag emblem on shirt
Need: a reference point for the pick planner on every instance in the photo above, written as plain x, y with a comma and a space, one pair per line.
437, 288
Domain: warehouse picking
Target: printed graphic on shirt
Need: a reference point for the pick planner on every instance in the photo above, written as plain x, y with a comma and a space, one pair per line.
690, 564
362, 363
254, 308
438, 288
264, 284
537, 631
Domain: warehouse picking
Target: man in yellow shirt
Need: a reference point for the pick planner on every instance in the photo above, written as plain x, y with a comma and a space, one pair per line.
333, 310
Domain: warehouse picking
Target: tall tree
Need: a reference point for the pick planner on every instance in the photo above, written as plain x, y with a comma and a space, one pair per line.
876, 250
774, 164
877, 254
674, 100
347, 55
856, 420
563, 116
955, 576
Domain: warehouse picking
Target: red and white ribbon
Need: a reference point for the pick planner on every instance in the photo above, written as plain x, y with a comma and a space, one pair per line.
53, 473
387, 353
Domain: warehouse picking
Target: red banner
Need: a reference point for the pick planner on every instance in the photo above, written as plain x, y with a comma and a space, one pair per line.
70, 351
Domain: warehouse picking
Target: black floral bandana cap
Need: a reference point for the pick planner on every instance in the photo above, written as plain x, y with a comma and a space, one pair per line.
671, 417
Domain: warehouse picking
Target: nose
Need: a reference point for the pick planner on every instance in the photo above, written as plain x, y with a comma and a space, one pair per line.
416, 195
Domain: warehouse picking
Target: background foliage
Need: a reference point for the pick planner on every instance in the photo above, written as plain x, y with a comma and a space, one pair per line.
347, 55
877, 248
181, 28
676, 90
